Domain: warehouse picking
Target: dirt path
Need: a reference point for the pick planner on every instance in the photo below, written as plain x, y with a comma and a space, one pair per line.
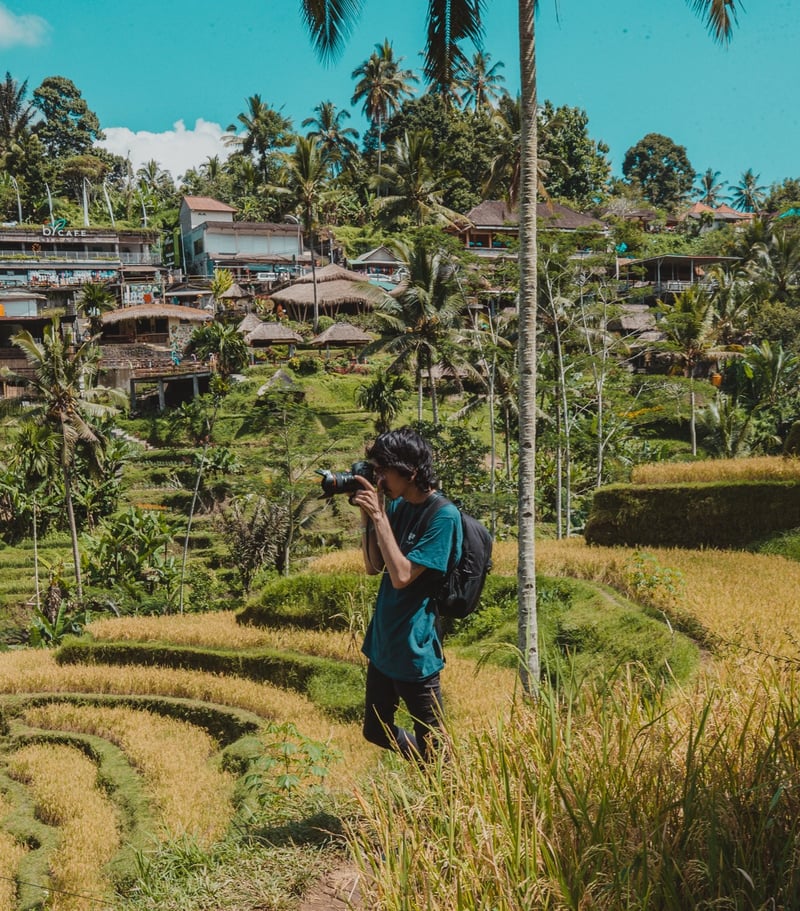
338, 890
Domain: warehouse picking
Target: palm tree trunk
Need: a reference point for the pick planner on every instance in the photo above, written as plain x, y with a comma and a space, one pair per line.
434, 400
527, 632
73, 533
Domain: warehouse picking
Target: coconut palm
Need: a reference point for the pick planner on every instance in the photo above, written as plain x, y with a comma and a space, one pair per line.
69, 402
16, 114
265, 130
382, 85
328, 25
94, 300
481, 82
688, 325
748, 195
417, 324
306, 177
410, 187
709, 186
336, 141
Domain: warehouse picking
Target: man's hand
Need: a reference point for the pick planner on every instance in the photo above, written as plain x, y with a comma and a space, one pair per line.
370, 500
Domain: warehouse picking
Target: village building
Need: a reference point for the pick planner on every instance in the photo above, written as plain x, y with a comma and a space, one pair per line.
261, 252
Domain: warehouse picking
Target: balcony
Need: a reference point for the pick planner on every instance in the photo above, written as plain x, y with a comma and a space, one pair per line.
8, 257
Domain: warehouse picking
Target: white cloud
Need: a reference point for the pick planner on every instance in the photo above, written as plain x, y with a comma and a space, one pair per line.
176, 150
28, 29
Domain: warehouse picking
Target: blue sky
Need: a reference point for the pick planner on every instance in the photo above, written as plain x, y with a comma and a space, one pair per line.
167, 78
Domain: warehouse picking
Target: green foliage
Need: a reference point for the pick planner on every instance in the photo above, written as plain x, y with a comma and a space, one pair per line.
661, 168
253, 532
131, 552
288, 773
309, 600
585, 632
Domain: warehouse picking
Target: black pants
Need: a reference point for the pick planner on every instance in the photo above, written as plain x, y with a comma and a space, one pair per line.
423, 699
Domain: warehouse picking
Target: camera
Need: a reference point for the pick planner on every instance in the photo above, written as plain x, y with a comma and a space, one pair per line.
345, 481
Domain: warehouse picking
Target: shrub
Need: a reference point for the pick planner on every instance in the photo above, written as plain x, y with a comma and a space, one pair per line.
692, 515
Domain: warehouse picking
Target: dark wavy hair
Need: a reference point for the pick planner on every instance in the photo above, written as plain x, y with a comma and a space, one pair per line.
407, 452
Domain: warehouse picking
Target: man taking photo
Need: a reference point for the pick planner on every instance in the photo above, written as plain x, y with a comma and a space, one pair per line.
413, 545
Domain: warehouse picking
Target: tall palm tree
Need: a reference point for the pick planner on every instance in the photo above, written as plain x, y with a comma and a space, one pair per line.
336, 141
748, 195
306, 177
16, 114
410, 184
481, 82
265, 130
328, 24
709, 186
382, 85
69, 402
688, 325
417, 324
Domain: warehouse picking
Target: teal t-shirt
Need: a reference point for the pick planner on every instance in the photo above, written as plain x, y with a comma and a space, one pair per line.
401, 640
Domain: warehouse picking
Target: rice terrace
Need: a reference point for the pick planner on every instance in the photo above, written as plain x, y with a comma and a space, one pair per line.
204, 377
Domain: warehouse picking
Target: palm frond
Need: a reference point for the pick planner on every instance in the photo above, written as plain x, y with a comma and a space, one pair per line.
329, 23
720, 16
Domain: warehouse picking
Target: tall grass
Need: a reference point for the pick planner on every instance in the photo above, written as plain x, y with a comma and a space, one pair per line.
761, 468
746, 600
65, 789
612, 801
11, 853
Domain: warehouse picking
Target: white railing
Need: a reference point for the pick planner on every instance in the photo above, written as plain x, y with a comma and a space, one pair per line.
80, 256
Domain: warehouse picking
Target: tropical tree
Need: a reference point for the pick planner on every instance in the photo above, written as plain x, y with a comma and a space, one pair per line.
67, 126
336, 141
307, 174
661, 168
225, 342
383, 394
69, 402
94, 300
481, 82
689, 328
709, 187
748, 195
16, 114
264, 130
504, 174
577, 165
382, 84
412, 187
328, 24
417, 325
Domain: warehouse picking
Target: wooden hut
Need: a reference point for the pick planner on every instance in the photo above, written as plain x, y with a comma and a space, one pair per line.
152, 323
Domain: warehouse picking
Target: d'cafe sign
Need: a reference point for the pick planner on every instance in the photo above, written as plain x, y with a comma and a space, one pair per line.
58, 228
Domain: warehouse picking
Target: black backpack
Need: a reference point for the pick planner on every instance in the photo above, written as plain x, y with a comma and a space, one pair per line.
460, 590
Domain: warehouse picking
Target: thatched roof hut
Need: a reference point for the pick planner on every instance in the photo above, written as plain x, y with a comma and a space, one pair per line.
152, 323
272, 334
250, 322
171, 312
338, 290
341, 335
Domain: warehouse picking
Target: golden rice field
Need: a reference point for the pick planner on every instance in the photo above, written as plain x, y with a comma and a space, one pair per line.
173, 757
67, 794
468, 705
762, 468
